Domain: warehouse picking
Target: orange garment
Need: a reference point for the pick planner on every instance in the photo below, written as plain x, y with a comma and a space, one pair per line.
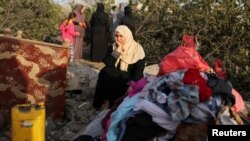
185, 56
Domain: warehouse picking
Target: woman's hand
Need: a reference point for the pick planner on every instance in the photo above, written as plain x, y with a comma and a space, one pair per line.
119, 44
83, 24
119, 49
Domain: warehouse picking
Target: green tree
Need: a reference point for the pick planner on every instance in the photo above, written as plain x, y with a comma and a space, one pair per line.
221, 28
34, 18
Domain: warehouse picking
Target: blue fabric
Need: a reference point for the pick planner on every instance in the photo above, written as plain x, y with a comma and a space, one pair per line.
124, 108
205, 111
122, 124
181, 102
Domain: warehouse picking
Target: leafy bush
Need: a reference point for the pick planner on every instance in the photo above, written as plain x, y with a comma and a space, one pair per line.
34, 18
221, 28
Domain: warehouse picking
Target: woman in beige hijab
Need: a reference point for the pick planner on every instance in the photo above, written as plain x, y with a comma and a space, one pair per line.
125, 63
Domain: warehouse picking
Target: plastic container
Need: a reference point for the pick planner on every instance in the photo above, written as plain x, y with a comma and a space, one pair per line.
28, 122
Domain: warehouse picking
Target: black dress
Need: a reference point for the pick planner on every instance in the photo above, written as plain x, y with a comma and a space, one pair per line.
99, 34
112, 83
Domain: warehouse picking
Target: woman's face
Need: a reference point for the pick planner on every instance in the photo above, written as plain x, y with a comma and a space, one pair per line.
119, 38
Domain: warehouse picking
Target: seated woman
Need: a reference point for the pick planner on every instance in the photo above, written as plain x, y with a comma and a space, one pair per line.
125, 63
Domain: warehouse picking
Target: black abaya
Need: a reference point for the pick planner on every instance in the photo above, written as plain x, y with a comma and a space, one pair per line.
112, 83
99, 34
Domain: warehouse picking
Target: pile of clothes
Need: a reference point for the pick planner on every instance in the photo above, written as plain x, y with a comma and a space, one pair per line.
186, 90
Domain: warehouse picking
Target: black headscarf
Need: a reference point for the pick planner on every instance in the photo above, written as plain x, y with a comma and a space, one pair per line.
100, 16
100, 7
127, 10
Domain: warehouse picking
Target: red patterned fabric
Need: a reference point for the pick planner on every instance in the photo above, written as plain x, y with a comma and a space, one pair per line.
32, 71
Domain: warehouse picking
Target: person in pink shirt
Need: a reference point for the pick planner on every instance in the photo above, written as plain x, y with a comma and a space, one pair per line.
67, 28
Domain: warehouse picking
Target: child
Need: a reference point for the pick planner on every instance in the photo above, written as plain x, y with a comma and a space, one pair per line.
68, 32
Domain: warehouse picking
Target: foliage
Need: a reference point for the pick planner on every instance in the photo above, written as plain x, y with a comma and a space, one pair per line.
221, 28
34, 18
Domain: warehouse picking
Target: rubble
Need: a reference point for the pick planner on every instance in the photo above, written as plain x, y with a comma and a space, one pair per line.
2, 121
81, 80
82, 77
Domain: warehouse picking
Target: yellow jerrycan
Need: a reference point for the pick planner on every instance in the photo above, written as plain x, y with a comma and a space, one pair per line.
28, 122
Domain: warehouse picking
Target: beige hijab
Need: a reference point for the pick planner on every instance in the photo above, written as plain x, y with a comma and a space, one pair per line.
131, 51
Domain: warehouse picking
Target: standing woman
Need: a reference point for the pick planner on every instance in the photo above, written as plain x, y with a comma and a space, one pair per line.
124, 64
99, 34
78, 40
128, 19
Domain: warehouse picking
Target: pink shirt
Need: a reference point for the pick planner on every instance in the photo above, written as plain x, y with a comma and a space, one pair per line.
68, 32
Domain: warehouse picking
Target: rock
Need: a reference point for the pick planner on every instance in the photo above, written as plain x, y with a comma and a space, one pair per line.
81, 76
73, 84
75, 126
50, 126
152, 69
4, 139
2, 121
